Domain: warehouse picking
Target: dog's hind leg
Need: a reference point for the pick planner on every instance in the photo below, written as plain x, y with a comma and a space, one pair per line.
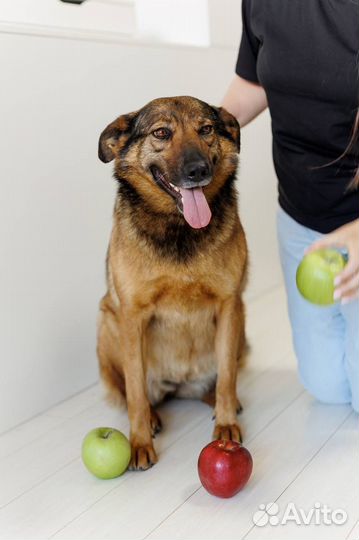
108, 355
156, 422
210, 399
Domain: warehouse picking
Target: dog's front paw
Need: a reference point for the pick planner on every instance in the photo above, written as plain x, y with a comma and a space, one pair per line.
228, 432
142, 457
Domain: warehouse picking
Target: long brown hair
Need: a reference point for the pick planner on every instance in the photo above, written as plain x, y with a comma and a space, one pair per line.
354, 184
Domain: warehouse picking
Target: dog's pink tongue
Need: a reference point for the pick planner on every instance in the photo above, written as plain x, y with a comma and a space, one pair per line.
195, 207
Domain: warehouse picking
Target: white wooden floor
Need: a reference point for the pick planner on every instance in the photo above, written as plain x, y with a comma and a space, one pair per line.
304, 453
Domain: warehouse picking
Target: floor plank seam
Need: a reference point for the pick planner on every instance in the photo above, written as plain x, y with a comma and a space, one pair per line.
171, 513
119, 485
249, 441
54, 428
304, 467
351, 530
258, 374
44, 412
251, 378
289, 404
37, 484
255, 374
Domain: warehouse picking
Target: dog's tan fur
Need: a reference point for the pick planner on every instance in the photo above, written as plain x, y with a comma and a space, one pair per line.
172, 321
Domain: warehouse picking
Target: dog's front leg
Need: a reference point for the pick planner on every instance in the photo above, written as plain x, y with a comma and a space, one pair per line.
228, 344
131, 328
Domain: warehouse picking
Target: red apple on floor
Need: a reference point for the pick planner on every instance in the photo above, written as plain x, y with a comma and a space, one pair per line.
224, 467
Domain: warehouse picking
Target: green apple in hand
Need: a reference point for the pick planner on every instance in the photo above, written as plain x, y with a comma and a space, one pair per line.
106, 452
316, 274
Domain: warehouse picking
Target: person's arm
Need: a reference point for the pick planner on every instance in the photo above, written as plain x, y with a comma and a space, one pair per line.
245, 97
245, 100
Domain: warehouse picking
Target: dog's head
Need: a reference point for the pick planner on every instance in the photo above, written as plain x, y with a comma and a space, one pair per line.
176, 153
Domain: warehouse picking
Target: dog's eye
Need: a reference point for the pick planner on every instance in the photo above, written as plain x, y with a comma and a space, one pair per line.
206, 130
162, 133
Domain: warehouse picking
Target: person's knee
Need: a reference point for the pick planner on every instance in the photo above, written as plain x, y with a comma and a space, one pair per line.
326, 389
333, 394
329, 386
354, 386
355, 404
352, 368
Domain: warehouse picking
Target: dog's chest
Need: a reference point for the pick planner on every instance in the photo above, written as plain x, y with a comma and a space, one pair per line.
179, 346
172, 297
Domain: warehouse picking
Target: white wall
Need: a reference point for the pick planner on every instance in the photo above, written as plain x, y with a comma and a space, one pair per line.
93, 18
56, 204
169, 21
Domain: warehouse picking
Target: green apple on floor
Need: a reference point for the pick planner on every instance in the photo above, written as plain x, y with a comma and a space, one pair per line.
316, 274
106, 452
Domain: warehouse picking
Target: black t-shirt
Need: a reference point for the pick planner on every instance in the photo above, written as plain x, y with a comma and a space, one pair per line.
305, 55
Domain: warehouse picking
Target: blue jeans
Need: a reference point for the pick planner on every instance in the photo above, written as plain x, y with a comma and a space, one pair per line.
325, 339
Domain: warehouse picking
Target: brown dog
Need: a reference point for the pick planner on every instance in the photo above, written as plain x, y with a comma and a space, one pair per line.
172, 321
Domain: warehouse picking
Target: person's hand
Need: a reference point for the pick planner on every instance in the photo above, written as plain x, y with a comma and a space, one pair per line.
347, 282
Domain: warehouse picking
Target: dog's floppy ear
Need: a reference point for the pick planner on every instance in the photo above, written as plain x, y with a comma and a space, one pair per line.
114, 136
229, 124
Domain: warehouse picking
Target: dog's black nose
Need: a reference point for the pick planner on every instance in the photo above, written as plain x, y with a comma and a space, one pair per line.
196, 171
